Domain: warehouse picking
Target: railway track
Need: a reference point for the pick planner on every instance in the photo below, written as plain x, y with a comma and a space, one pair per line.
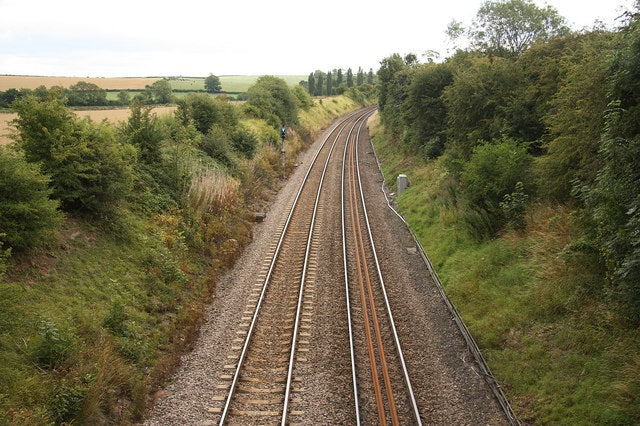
317, 329
262, 382
385, 374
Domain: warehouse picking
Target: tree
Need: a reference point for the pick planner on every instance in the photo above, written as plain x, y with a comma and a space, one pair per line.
612, 202
319, 83
206, 111
360, 77
482, 103
27, 213
388, 68
339, 77
425, 115
370, 77
274, 101
492, 173
508, 27
86, 94
312, 84
143, 131
349, 78
303, 98
124, 98
212, 84
161, 92
329, 83
90, 170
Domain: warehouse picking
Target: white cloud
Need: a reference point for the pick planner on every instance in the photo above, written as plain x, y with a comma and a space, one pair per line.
193, 37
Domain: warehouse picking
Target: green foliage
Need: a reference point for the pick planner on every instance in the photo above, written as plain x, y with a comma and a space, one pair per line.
206, 112
508, 27
27, 214
426, 115
160, 92
217, 144
90, 170
86, 94
612, 201
481, 102
143, 131
274, 101
212, 84
68, 402
576, 117
116, 319
493, 172
514, 207
303, 99
244, 141
54, 346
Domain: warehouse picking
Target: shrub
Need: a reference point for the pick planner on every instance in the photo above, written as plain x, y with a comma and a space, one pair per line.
274, 101
217, 145
514, 207
493, 172
54, 346
303, 98
244, 141
90, 170
116, 319
26, 212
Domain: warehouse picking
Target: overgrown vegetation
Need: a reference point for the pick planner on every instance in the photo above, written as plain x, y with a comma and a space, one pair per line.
112, 239
524, 164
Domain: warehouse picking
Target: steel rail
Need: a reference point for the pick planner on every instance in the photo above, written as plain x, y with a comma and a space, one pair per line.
346, 278
367, 298
303, 278
243, 353
383, 287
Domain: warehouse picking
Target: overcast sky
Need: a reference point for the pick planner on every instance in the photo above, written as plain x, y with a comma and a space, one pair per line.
137, 38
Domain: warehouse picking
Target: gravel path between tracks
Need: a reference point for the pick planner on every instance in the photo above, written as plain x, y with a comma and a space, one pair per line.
436, 353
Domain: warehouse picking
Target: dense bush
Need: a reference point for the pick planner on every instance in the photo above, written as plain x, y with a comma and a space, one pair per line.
90, 169
493, 172
206, 111
272, 100
27, 214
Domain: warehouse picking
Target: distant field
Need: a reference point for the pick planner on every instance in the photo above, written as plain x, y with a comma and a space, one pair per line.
112, 115
31, 82
230, 83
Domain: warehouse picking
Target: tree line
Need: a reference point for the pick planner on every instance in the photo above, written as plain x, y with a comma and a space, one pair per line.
86, 94
335, 82
532, 112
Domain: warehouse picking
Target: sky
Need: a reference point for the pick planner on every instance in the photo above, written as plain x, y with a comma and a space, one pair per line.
139, 38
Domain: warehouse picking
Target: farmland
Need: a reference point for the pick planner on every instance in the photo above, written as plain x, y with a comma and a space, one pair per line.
112, 115
230, 84
31, 82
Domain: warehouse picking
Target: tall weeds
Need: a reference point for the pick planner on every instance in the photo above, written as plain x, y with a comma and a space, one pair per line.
213, 192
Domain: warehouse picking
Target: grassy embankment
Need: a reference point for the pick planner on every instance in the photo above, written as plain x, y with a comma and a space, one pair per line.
561, 353
92, 324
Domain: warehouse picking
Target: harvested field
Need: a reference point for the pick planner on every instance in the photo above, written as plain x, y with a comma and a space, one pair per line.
31, 82
112, 115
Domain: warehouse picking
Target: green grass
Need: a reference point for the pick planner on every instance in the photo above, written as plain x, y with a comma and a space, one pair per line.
229, 83
536, 308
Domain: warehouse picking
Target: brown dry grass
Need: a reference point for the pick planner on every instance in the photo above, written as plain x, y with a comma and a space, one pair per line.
112, 115
31, 82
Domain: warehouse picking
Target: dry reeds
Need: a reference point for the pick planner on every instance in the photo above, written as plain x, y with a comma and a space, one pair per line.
213, 191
